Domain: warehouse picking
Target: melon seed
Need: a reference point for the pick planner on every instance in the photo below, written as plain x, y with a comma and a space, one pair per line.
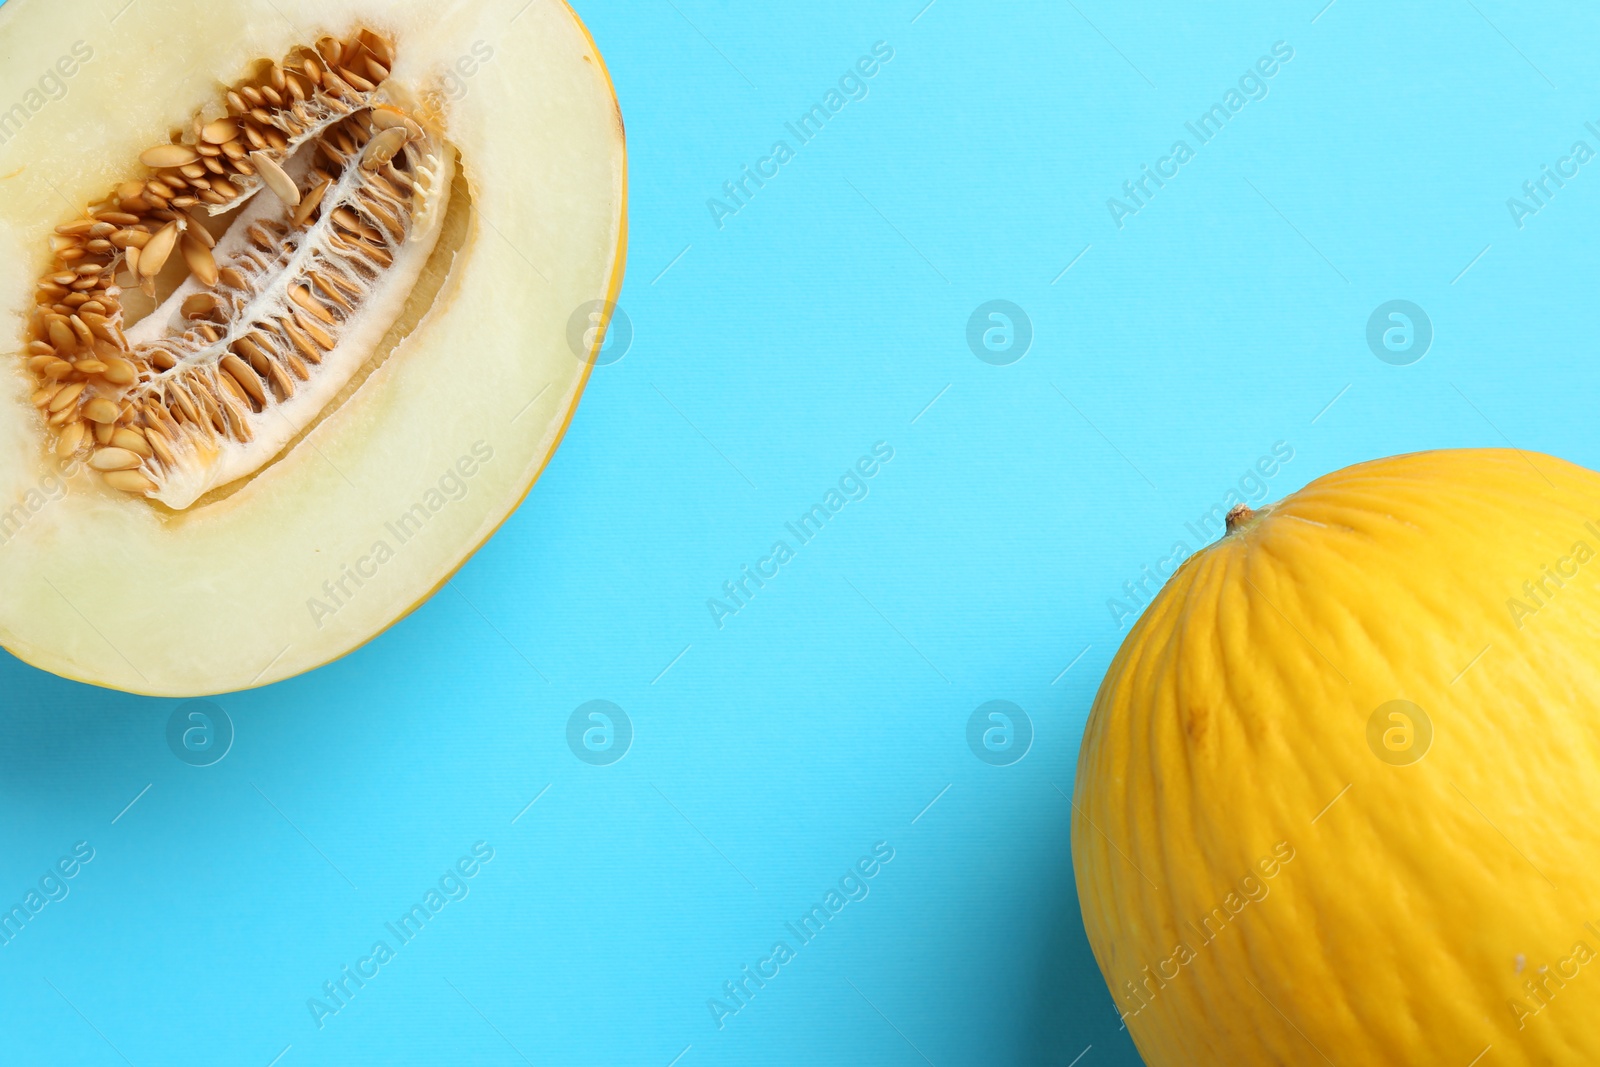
71, 440
168, 155
129, 482
114, 459
100, 410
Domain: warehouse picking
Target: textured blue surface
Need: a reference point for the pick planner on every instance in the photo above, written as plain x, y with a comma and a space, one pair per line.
1225, 317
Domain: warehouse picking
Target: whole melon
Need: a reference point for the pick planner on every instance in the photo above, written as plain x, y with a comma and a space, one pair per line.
1338, 800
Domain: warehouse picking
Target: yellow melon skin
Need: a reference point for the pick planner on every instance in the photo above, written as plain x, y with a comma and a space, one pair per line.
1258, 885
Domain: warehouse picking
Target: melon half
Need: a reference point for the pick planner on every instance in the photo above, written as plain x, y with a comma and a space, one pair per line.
299, 300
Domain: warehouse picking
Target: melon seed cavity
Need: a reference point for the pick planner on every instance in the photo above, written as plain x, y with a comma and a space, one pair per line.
255, 328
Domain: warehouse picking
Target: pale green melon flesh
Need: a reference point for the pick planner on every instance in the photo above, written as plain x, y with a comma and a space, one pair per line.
112, 590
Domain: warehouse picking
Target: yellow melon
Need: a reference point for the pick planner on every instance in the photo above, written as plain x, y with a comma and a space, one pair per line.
1338, 801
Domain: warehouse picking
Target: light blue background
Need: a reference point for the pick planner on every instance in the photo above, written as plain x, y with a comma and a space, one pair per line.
1227, 315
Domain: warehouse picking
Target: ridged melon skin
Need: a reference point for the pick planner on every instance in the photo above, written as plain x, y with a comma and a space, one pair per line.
1418, 903
119, 594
